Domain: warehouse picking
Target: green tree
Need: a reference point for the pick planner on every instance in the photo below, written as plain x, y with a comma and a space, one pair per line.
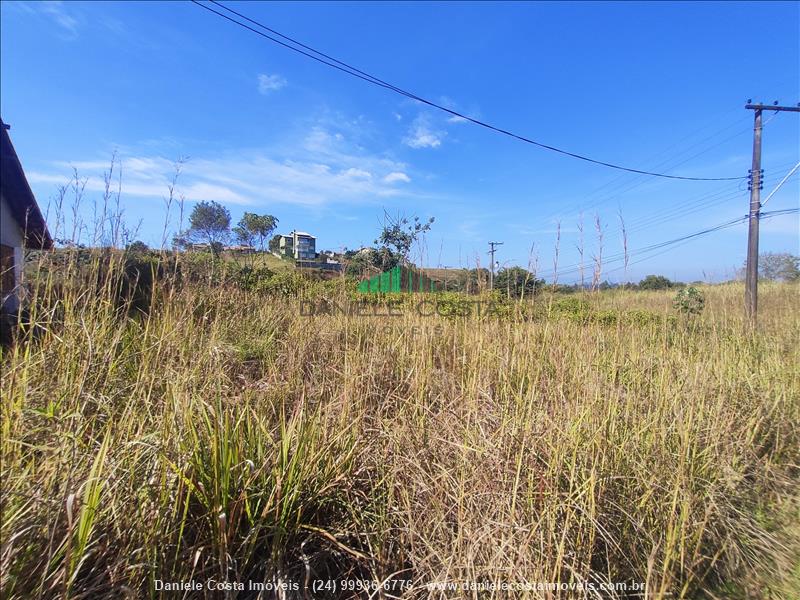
517, 282
655, 282
372, 261
779, 266
137, 247
275, 243
209, 223
400, 233
254, 229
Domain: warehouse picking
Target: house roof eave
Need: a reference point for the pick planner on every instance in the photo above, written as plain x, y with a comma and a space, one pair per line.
18, 194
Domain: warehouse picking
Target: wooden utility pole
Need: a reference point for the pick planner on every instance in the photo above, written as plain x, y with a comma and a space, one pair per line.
756, 183
751, 276
491, 271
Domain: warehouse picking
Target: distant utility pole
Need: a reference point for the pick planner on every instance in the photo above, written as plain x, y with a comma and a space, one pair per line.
756, 183
491, 253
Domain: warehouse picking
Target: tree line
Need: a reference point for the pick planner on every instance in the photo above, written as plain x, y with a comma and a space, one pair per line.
210, 223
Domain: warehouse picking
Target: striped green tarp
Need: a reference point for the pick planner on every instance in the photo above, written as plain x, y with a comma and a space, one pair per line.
398, 279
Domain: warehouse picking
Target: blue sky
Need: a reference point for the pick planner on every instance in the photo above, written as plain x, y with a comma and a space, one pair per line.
649, 85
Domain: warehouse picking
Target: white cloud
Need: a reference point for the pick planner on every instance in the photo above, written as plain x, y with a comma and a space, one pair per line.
422, 135
140, 182
316, 171
58, 12
452, 105
397, 176
357, 173
270, 83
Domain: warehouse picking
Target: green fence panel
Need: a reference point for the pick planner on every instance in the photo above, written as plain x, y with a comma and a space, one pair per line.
398, 279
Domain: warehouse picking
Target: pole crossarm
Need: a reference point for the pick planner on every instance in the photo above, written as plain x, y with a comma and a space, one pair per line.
772, 107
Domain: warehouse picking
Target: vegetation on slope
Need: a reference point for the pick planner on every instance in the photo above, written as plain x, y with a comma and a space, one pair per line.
218, 433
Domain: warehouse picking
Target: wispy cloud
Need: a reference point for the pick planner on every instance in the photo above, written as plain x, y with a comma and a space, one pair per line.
452, 105
397, 176
469, 229
319, 170
357, 173
270, 83
526, 230
422, 134
62, 14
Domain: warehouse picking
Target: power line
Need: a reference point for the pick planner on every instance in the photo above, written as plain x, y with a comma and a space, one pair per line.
629, 186
621, 255
680, 209
784, 180
766, 215
686, 207
620, 186
325, 59
779, 213
666, 245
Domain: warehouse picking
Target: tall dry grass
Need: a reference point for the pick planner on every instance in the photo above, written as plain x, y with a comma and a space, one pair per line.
221, 435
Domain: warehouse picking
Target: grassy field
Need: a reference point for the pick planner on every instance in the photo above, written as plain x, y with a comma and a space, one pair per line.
260, 260
226, 437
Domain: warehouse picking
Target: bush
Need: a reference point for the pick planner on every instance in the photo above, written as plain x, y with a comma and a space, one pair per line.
453, 304
642, 317
516, 282
606, 317
252, 278
689, 301
284, 283
571, 308
655, 282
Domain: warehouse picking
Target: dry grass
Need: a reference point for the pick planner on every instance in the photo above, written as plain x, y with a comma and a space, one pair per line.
225, 436
261, 259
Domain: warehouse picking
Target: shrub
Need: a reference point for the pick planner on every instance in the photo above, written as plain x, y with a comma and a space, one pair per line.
453, 304
516, 282
689, 301
606, 317
571, 308
642, 317
252, 278
284, 283
655, 282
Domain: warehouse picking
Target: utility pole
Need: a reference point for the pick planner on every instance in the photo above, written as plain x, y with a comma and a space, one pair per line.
756, 184
491, 253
